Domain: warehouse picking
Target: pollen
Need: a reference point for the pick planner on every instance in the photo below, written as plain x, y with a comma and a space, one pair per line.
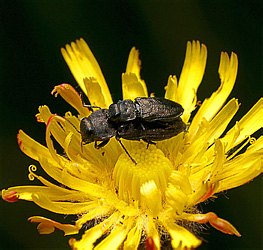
139, 182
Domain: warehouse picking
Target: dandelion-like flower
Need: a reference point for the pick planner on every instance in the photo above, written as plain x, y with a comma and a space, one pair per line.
157, 197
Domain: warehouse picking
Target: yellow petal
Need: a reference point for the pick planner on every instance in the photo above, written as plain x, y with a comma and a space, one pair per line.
21, 192
92, 234
219, 123
249, 124
176, 199
132, 87
193, 154
151, 197
10, 196
55, 127
227, 72
32, 148
134, 66
95, 93
134, 236
120, 205
153, 234
218, 223
178, 189
181, 237
70, 95
171, 89
219, 158
67, 179
134, 63
48, 226
46, 116
100, 211
26, 192
191, 77
63, 207
115, 238
83, 64
205, 190
243, 168
181, 181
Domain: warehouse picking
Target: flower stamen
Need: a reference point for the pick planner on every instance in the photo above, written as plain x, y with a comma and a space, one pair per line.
152, 165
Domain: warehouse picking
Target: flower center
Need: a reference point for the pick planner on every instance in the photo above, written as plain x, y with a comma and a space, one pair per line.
148, 177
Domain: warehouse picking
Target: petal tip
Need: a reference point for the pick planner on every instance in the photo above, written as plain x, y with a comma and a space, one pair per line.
10, 196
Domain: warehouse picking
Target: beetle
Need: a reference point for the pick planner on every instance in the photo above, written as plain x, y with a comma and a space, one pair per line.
151, 131
149, 109
97, 127
130, 120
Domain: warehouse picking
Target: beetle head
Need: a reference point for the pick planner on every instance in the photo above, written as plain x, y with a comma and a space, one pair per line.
86, 130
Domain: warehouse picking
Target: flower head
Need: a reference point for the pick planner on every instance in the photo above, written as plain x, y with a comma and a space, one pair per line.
159, 196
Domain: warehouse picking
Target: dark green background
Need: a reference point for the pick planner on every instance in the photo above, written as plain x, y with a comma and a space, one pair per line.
32, 33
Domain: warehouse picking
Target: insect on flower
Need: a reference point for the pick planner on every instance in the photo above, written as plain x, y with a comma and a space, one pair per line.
150, 119
141, 203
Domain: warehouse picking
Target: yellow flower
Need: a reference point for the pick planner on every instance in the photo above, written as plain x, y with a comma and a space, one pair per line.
133, 204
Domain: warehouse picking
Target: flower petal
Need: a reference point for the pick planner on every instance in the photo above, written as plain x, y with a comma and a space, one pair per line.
76, 183
134, 236
191, 77
98, 212
243, 168
95, 92
219, 123
181, 237
10, 196
63, 207
46, 116
177, 191
209, 108
153, 234
26, 192
70, 95
249, 124
151, 197
30, 147
116, 237
92, 234
218, 223
48, 226
206, 190
171, 89
83, 64
134, 66
132, 87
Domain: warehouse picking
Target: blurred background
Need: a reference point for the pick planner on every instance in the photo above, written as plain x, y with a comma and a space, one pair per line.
32, 33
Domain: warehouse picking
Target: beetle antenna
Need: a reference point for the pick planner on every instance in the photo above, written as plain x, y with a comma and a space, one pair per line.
72, 125
127, 152
90, 107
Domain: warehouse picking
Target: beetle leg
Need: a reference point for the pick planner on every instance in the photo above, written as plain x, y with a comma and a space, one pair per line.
146, 139
126, 151
102, 144
149, 142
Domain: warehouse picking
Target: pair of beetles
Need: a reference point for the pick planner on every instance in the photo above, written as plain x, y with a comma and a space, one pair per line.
147, 118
